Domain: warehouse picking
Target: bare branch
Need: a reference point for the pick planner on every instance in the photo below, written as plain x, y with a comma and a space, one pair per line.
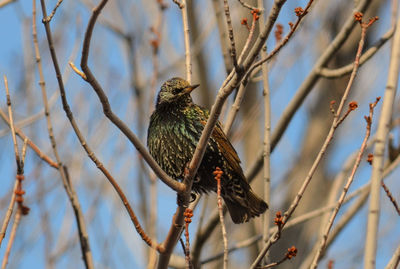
173, 184
48, 19
32, 145
307, 85
10, 116
391, 198
186, 35
230, 35
379, 150
324, 238
329, 137
179, 4
345, 70
6, 2
246, 5
395, 260
300, 15
217, 175
14, 228
9, 212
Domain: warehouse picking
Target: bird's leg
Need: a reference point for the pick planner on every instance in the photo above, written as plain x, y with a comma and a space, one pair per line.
193, 197
179, 199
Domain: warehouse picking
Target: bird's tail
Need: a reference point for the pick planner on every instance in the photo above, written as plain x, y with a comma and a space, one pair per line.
242, 209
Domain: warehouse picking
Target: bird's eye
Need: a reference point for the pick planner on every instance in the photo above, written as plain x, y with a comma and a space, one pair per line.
178, 90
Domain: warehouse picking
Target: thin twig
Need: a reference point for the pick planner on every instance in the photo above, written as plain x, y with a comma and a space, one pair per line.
395, 260
186, 35
173, 184
291, 252
391, 198
69, 189
242, 88
9, 212
153, 207
54, 11
267, 136
17, 195
262, 37
300, 15
307, 86
249, 38
17, 219
336, 121
230, 83
217, 174
223, 39
14, 138
250, 69
180, 4
230, 35
156, 43
345, 70
246, 5
344, 220
379, 150
24, 146
77, 71
362, 191
6, 2
291, 223
234, 108
204, 234
335, 189
324, 238
32, 145
118, 122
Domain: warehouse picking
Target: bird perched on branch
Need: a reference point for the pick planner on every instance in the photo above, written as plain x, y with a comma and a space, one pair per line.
174, 131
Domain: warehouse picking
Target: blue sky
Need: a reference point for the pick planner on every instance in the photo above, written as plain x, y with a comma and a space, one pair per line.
113, 238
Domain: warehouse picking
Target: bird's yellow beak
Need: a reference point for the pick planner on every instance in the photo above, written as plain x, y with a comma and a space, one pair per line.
191, 88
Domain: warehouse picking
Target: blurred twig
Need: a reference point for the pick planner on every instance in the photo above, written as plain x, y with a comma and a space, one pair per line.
338, 118
32, 145
230, 35
17, 192
267, 135
345, 70
379, 150
6, 2
17, 219
395, 260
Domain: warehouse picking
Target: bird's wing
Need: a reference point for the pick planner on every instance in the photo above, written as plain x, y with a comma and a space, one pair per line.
225, 147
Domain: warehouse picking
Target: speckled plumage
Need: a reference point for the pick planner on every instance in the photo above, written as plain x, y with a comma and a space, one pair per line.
175, 128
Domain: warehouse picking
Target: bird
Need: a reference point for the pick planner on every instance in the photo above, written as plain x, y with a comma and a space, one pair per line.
174, 130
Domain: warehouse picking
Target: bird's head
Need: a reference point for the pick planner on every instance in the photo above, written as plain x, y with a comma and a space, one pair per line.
175, 91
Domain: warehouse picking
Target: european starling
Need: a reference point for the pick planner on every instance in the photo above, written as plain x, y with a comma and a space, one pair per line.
174, 131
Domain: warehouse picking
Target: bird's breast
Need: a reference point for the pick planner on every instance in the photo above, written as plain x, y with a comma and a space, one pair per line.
171, 140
